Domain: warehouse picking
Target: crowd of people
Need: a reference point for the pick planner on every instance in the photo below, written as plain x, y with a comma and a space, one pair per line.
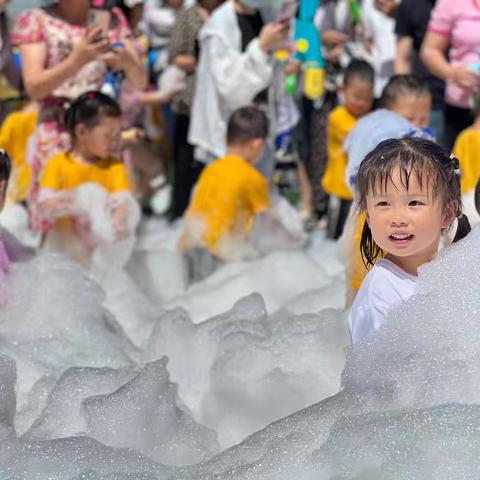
197, 96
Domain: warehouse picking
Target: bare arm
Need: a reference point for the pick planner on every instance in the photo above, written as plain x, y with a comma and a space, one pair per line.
135, 69
403, 55
433, 52
433, 55
39, 81
127, 59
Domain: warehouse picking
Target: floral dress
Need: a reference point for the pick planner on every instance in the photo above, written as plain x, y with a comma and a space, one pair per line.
41, 26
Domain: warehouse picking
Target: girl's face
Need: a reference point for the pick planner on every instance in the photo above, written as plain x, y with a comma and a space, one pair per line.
100, 141
407, 224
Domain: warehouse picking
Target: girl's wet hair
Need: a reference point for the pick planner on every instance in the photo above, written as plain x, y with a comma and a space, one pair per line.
89, 109
5, 166
428, 162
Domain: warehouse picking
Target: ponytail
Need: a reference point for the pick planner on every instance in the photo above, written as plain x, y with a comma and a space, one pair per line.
463, 228
369, 250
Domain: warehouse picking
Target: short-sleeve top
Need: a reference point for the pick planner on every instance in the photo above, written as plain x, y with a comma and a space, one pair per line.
228, 195
385, 286
64, 172
39, 25
458, 20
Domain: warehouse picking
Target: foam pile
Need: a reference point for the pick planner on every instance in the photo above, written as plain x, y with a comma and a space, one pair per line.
94, 401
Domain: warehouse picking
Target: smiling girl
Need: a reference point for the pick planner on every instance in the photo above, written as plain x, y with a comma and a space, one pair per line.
409, 190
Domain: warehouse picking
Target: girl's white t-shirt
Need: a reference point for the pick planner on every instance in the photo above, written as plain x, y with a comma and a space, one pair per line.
385, 286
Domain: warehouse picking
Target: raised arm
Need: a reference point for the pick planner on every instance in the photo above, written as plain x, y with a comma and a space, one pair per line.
39, 81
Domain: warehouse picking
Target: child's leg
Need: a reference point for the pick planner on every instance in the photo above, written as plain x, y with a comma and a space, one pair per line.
338, 211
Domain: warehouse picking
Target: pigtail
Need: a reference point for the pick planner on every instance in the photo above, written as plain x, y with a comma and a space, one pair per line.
463, 228
369, 250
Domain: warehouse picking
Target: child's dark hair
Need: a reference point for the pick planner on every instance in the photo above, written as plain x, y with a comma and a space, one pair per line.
89, 109
403, 85
429, 162
245, 124
359, 69
5, 166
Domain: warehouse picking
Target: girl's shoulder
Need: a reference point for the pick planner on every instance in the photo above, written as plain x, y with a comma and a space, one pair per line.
386, 283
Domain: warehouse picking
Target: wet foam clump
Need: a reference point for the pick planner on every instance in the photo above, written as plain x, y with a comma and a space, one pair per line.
53, 320
241, 370
94, 400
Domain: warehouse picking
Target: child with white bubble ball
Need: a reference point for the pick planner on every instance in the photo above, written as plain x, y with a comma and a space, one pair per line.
85, 197
409, 190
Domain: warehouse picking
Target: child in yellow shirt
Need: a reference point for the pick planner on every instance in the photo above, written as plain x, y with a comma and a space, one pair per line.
229, 194
357, 93
466, 148
84, 192
15, 133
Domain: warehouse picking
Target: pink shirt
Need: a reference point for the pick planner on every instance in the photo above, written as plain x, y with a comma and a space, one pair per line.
459, 20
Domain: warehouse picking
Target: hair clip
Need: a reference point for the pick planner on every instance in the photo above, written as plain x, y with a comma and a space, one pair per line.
456, 164
91, 95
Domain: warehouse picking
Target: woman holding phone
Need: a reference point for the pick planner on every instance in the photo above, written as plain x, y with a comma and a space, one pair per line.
64, 55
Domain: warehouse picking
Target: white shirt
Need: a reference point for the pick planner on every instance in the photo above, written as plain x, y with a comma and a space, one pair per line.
381, 30
385, 286
227, 79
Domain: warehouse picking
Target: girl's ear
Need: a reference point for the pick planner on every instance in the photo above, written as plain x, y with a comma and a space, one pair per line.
80, 130
367, 218
449, 216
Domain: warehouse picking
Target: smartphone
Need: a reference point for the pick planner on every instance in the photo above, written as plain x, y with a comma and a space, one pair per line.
287, 12
100, 16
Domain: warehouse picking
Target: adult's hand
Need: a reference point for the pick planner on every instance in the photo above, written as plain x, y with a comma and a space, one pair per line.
119, 58
90, 47
465, 78
273, 36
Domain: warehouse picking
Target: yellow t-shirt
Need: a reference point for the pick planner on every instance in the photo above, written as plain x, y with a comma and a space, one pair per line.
340, 123
64, 172
466, 149
228, 195
14, 135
